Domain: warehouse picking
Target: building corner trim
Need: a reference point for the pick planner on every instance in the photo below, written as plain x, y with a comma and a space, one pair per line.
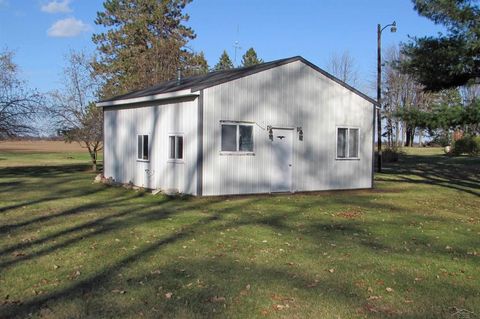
373, 144
200, 145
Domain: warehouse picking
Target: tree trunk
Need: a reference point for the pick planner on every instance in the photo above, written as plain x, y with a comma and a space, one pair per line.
403, 133
420, 137
93, 156
408, 133
397, 132
389, 132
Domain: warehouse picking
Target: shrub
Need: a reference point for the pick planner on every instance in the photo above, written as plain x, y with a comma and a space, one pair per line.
476, 141
391, 154
466, 145
439, 140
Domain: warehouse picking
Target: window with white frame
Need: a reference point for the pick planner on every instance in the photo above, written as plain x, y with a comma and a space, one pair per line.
142, 147
237, 137
347, 142
176, 147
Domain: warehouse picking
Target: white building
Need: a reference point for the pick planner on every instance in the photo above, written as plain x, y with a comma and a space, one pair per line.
281, 126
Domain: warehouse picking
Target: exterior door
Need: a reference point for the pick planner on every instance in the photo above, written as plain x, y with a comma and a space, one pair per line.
282, 160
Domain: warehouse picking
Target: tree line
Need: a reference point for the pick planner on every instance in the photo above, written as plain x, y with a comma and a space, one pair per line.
143, 43
429, 83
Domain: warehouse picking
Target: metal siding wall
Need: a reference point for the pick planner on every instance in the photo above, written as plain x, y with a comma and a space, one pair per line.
122, 126
289, 96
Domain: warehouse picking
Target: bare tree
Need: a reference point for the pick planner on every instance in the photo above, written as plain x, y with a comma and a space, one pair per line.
401, 92
18, 104
470, 93
72, 108
343, 67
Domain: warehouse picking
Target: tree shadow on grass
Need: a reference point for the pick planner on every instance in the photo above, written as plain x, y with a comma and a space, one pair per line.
206, 287
43, 170
52, 177
212, 276
458, 173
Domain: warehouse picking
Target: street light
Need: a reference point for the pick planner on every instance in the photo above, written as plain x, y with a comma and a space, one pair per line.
393, 28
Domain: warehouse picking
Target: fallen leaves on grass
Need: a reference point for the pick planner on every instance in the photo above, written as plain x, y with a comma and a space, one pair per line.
245, 291
384, 310
74, 275
313, 284
18, 254
388, 289
374, 297
217, 299
118, 291
168, 295
350, 214
281, 302
281, 307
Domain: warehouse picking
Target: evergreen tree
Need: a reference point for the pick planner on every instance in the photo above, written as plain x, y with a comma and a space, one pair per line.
447, 60
250, 58
197, 64
142, 45
225, 63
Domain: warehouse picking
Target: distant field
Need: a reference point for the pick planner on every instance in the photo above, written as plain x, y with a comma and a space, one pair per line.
26, 153
40, 146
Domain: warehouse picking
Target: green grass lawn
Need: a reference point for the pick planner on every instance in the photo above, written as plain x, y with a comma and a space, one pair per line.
410, 248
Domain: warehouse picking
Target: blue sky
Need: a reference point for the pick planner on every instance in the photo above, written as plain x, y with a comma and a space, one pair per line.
41, 32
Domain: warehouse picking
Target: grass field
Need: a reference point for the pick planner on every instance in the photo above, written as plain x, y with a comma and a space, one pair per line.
26, 153
410, 248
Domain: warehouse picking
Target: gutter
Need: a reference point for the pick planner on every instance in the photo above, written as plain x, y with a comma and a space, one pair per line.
149, 98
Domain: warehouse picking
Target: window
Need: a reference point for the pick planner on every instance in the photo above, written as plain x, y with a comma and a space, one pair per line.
176, 147
142, 147
237, 138
347, 142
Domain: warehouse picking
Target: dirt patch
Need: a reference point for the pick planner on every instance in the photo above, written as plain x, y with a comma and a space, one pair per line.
40, 146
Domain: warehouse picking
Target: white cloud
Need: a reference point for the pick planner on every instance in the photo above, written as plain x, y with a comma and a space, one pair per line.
57, 7
69, 27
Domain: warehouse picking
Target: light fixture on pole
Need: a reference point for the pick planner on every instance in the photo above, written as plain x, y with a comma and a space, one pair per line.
393, 28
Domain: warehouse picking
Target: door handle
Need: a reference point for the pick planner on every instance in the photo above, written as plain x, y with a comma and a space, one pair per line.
289, 165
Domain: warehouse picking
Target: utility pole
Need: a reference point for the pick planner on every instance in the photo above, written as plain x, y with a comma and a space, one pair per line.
379, 90
379, 98
236, 46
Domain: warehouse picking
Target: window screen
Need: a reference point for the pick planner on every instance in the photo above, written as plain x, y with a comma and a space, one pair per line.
145, 147
229, 138
176, 147
342, 143
353, 142
179, 148
142, 147
172, 147
139, 146
237, 138
245, 142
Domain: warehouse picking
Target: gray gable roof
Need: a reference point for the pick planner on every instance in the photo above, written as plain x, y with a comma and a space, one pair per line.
199, 82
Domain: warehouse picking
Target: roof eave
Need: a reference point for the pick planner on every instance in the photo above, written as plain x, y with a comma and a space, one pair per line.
149, 98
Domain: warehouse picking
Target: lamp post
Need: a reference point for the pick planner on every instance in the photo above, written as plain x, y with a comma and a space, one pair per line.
393, 28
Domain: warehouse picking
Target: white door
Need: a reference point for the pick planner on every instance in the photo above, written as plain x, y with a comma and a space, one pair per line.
282, 160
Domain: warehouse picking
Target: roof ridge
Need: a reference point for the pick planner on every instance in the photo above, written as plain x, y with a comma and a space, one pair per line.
199, 82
